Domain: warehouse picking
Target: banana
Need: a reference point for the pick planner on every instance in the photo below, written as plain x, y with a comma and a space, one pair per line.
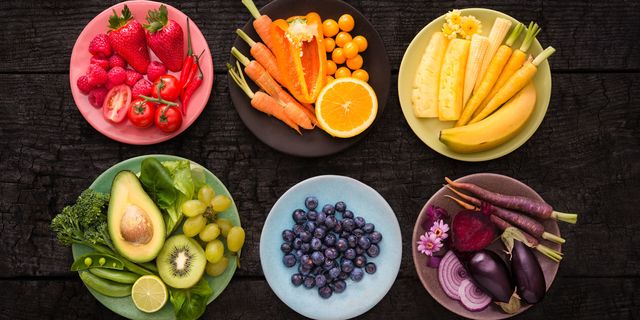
496, 129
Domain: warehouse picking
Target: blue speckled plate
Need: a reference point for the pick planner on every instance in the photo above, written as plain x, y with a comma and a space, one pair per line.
359, 296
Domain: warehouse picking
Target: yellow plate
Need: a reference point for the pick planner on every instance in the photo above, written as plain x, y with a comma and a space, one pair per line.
428, 130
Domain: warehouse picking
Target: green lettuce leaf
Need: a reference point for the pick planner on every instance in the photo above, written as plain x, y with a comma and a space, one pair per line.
190, 304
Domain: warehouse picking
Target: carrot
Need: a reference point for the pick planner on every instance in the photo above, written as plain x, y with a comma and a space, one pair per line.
259, 75
535, 208
490, 77
260, 100
261, 23
516, 82
263, 55
517, 59
521, 221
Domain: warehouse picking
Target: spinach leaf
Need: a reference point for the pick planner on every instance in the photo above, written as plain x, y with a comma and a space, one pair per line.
157, 182
190, 304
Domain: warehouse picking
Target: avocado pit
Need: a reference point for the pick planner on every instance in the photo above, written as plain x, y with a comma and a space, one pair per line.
135, 225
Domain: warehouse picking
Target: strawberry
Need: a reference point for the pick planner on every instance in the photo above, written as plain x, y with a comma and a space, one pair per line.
99, 46
165, 38
128, 40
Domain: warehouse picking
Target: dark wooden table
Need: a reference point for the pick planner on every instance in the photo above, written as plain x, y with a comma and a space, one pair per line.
585, 157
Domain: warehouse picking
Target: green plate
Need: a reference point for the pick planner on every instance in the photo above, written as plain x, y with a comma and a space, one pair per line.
428, 130
124, 306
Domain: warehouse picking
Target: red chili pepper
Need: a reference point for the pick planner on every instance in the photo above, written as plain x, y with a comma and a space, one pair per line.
188, 61
189, 90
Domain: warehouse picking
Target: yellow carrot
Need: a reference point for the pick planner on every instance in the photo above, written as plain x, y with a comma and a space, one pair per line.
517, 59
493, 72
516, 82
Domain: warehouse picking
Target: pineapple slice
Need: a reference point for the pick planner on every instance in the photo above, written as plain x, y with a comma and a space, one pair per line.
450, 94
424, 93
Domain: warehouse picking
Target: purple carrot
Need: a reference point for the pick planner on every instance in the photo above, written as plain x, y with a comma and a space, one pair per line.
519, 220
538, 209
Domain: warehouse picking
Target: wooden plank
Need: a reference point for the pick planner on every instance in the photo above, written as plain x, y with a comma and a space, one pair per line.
588, 35
582, 159
569, 298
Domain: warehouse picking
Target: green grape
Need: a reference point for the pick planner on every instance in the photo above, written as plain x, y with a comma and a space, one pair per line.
193, 226
235, 239
225, 225
210, 232
220, 203
214, 251
192, 208
216, 269
206, 194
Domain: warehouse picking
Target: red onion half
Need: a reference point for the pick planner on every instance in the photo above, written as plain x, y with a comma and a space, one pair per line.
451, 274
472, 297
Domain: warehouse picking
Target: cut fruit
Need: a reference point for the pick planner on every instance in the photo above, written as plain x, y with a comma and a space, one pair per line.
181, 262
149, 294
346, 107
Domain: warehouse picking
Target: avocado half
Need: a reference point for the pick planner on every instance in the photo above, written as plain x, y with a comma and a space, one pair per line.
135, 223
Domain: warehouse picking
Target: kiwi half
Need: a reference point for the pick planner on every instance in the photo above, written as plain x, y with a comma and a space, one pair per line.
181, 262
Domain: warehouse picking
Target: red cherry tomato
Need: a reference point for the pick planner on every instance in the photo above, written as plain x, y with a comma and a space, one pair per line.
141, 113
168, 118
169, 88
116, 103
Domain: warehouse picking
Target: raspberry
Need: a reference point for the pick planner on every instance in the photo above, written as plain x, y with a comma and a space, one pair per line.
117, 61
99, 46
84, 85
132, 77
96, 96
142, 87
102, 62
109, 85
155, 70
97, 75
117, 75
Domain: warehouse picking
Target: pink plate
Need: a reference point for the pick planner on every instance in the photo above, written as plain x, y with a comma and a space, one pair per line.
125, 131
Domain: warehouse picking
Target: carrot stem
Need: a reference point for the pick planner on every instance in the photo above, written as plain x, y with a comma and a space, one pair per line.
245, 37
566, 217
552, 237
252, 8
543, 55
515, 34
238, 78
532, 32
239, 56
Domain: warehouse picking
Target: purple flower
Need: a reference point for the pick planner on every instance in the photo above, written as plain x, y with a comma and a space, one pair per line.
429, 243
440, 229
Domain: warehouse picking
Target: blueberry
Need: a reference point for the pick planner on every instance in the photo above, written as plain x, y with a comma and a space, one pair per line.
338, 227
317, 258
309, 226
299, 216
311, 203
330, 239
343, 276
373, 251
357, 232
334, 272
353, 241
321, 280
348, 224
330, 222
309, 282
360, 261
331, 253
357, 274
347, 214
312, 215
342, 244
305, 247
325, 292
296, 279
323, 247
346, 266
297, 229
286, 247
370, 268
316, 244
321, 218
360, 251
345, 234
350, 254
368, 227
316, 271
375, 237
364, 242
340, 206
328, 264
304, 270
298, 253
289, 260
329, 209
360, 222
297, 242
288, 235
319, 233
339, 286
305, 236
305, 260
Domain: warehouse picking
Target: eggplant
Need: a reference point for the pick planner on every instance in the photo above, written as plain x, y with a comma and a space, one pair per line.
491, 274
527, 273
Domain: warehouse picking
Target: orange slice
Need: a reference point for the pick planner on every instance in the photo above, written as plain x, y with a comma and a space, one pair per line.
346, 107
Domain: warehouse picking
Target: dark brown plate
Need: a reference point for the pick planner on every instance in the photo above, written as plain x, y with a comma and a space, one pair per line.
312, 143
429, 276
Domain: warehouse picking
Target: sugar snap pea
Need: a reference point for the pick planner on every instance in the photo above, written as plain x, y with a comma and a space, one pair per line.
115, 275
105, 287
97, 260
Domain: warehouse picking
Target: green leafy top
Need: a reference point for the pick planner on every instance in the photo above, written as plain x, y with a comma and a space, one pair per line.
156, 19
116, 22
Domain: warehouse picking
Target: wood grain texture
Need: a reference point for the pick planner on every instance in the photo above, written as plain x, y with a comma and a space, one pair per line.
600, 33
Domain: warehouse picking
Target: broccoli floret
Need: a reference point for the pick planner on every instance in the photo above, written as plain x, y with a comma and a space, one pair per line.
84, 222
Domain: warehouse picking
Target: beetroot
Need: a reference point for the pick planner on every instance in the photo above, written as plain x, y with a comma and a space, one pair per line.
472, 231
